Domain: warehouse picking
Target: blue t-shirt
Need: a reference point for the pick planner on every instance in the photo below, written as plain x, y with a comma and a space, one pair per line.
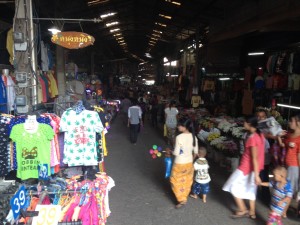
278, 194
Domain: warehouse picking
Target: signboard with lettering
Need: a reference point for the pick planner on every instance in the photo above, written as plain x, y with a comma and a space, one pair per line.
18, 202
73, 40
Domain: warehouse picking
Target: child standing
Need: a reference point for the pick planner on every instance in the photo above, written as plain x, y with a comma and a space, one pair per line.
281, 195
202, 178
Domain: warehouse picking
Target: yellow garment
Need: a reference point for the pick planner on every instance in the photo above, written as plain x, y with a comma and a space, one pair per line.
165, 130
181, 180
10, 45
104, 144
53, 85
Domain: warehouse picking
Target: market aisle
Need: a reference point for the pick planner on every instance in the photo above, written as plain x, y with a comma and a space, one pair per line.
143, 197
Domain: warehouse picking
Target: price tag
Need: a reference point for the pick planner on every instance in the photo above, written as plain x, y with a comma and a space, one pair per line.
48, 215
18, 202
43, 171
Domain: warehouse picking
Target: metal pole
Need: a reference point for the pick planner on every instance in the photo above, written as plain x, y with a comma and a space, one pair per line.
95, 20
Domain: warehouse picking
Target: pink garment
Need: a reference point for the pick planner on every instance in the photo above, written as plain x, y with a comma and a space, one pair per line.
54, 158
43, 85
246, 165
69, 213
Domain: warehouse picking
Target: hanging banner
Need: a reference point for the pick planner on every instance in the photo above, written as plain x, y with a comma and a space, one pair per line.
73, 40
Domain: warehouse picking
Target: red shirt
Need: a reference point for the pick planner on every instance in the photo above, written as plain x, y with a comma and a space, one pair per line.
293, 149
246, 164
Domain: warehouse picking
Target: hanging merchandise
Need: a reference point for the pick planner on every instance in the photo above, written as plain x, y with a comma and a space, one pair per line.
33, 146
3, 97
4, 145
80, 127
44, 57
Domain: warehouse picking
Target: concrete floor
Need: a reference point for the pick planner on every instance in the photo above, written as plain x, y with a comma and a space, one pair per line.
143, 197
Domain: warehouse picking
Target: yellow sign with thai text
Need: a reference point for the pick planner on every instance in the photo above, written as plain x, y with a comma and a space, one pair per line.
73, 40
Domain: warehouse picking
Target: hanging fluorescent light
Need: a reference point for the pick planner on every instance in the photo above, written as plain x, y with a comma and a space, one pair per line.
174, 2
288, 106
224, 78
123, 43
161, 24
156, 35
190, 46
114, 30
165, 16
153, 38
119, 38
181, 50
256, 53
157, 31
54, 30
112, 23
118, 34
107, 15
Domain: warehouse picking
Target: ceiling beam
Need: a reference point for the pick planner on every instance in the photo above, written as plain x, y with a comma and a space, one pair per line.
254, 24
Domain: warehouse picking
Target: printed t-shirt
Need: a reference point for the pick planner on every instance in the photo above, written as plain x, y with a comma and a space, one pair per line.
278, 194
293, 149
80, 137
201, 167
32, 149
134, 114
196, 100
171, 120
246, 165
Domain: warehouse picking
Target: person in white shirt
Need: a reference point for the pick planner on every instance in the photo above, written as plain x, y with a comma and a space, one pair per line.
134, 121
202, 178
171, 114
186, 146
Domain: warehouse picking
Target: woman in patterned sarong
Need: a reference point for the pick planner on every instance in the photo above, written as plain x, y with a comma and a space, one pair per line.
186, 148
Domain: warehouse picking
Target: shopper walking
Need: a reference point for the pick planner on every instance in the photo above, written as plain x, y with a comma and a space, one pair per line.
186, 147
134, 121
242, 183
292, 160
124, 106
171, 114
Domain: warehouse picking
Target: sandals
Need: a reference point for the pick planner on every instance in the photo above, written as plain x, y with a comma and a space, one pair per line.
193, 196
180, 204
252, 216
240, 214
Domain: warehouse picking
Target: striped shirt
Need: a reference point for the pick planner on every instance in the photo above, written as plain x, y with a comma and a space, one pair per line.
278, 194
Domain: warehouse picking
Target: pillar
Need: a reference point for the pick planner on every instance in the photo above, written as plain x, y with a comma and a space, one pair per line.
60, 70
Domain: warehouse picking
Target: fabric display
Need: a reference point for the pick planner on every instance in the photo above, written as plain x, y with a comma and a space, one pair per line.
80, 127
7, 94
46, 57
47, 87
86, 202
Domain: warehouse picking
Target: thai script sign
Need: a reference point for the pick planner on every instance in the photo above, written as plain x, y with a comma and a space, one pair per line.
73, 40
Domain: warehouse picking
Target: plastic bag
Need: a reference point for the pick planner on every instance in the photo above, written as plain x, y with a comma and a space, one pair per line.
168, 165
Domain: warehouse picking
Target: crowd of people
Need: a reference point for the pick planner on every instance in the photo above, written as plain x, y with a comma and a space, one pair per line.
189, 174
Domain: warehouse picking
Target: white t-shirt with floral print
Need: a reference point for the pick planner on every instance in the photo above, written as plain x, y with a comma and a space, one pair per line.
80, 137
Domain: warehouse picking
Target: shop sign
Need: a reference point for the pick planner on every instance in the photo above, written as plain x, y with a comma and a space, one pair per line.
73, 40
48, 214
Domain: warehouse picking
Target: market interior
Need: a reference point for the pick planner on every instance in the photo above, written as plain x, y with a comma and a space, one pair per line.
69, 66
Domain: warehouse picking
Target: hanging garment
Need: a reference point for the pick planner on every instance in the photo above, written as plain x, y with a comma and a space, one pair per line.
3, 97
11, 93
44, 57
53, 85
4, 153
43, 89
32, 149
10, 45
80, 137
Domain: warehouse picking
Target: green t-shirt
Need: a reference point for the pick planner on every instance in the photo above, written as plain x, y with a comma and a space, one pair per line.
32, 149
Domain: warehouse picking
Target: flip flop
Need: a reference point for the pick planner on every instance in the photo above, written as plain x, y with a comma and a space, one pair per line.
193, 196
240, 214
253, 216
